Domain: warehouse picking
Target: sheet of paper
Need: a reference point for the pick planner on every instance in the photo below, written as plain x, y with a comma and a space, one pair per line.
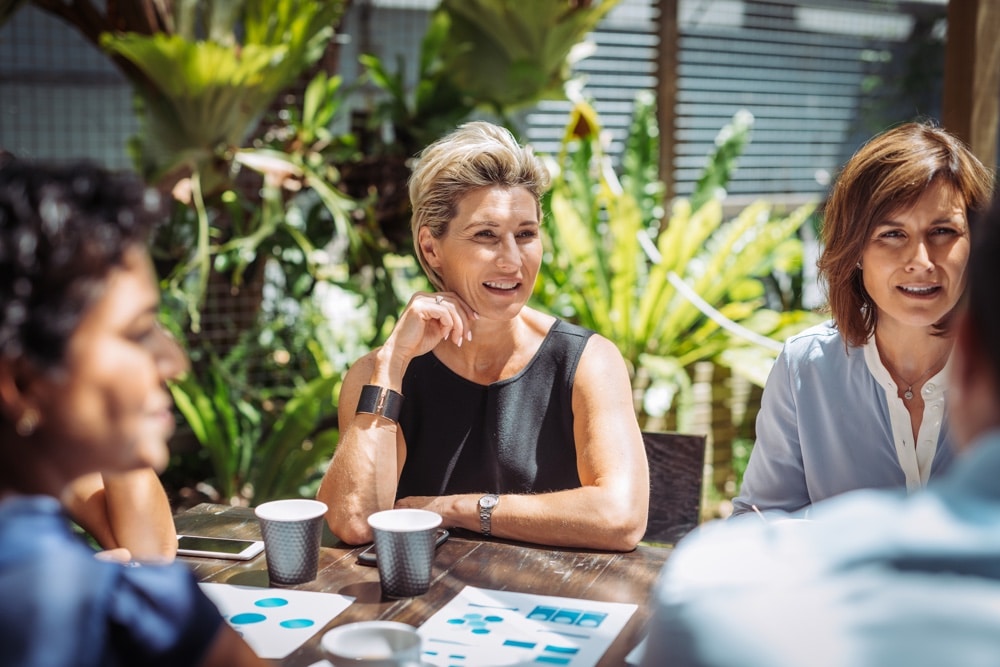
485, 628
275, 621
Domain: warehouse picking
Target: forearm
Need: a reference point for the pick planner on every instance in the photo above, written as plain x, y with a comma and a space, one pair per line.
361, 478
128, 510
140, 515
590, 517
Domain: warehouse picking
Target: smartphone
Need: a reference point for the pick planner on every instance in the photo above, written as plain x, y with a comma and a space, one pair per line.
368, 556
218, 547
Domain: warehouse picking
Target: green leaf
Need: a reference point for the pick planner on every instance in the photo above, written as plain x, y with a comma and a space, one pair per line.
667, 294
282, 446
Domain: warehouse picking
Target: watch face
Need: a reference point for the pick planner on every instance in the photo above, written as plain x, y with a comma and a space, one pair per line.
487, 502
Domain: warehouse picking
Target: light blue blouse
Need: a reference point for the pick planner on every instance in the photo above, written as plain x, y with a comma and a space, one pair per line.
876, 578
831, 421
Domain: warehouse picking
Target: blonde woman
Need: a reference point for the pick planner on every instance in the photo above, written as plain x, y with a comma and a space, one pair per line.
501, 418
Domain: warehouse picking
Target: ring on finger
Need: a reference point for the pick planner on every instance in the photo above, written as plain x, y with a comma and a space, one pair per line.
438, 299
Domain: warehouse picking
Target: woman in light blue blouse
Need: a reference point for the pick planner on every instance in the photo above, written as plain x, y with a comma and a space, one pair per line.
858, 402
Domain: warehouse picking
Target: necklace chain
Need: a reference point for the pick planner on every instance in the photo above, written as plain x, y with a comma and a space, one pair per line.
908, 394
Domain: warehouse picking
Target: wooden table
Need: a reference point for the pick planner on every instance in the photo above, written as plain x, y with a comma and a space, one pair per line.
465, 559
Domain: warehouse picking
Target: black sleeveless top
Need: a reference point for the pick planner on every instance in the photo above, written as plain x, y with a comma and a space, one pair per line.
512, 436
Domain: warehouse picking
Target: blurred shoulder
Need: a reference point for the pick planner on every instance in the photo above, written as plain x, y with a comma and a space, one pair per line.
748, 551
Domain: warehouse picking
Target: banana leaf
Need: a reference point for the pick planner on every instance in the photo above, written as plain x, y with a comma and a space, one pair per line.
513, 52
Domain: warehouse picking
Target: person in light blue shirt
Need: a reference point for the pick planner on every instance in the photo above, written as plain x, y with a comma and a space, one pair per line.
828, 424
859, 402
875, 578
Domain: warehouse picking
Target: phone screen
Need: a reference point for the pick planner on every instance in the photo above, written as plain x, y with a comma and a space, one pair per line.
217, 544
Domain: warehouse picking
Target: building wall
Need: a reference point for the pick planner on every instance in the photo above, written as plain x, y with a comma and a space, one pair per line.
60, 98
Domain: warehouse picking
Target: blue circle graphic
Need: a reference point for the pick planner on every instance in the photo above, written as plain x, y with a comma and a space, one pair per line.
271, 602
294, 623
244, 619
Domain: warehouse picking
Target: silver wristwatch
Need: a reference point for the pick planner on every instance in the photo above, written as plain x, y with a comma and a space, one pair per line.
486, 505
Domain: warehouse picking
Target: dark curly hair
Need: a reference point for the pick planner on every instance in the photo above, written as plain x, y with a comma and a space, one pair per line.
62, 228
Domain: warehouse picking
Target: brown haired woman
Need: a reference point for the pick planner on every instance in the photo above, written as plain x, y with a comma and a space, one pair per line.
858, 402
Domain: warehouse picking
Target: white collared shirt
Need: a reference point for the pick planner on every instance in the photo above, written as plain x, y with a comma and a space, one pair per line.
914, 458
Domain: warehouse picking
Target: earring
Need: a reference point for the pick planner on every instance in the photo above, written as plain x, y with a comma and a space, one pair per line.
27, 422
858, 265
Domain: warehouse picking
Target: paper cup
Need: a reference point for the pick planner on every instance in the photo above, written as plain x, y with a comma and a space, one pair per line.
291, 531
404, 544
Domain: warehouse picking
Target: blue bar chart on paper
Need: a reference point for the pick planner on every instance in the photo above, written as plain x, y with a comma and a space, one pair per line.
481, 627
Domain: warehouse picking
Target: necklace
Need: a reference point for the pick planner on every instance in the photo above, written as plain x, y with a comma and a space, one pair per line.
908, 394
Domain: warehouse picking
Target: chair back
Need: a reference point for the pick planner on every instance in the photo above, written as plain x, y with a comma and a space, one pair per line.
676, 472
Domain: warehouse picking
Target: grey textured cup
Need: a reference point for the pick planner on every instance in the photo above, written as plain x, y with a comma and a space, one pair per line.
291, 531
404, 545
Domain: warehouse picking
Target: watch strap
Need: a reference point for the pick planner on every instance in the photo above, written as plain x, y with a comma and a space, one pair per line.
486, 513
380, 401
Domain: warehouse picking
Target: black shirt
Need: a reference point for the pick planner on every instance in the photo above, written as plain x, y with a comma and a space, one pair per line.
512, 436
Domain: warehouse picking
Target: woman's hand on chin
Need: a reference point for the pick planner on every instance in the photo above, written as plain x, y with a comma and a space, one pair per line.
430, 318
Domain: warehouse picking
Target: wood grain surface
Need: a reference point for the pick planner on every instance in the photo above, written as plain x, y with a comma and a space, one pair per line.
464, 559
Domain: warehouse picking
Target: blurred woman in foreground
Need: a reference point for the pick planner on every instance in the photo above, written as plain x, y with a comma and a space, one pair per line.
83, 367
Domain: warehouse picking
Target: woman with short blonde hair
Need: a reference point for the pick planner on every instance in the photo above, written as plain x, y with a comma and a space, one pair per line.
502, 419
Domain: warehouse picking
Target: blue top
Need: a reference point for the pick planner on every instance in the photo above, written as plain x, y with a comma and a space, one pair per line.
61, 606
511, 436
831, 421
877, 578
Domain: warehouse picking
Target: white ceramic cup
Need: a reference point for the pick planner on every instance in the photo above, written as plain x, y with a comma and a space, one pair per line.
372, 644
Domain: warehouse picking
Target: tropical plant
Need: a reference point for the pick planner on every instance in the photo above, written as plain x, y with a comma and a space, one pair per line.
508, 53
261, 442
494, 54
203, 83
673, 292
491, 56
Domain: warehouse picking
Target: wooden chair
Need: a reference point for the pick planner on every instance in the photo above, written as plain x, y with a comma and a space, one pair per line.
676, 471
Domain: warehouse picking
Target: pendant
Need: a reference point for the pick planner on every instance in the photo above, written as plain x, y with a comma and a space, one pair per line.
908, 394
